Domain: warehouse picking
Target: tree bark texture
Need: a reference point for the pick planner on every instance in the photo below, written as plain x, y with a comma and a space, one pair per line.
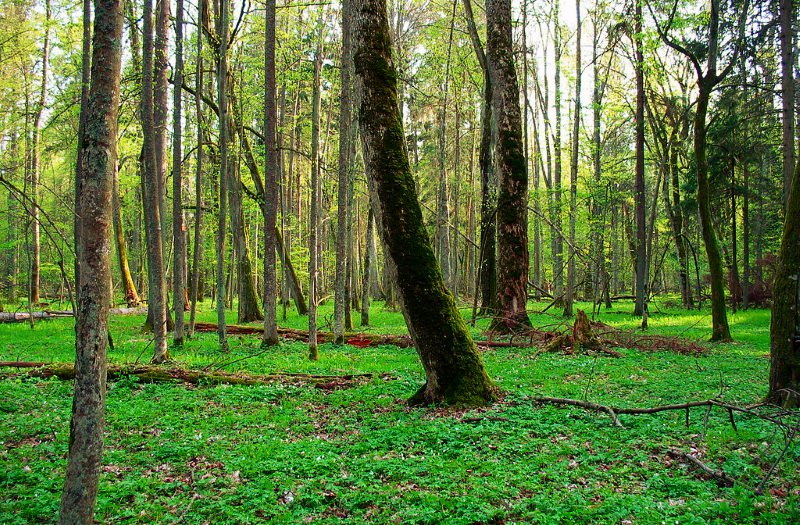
270, 205
638, 185
512, 210
156, 289
178, 227
784, 375
453, 368
343, 213
99, 161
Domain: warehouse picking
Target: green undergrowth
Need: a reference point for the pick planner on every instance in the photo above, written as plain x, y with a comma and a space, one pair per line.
294, 453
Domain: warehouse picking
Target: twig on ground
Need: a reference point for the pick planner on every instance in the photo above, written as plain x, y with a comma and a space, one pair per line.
721, 477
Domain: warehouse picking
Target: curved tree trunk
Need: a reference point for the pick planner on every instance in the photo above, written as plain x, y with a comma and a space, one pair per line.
99, 154
512, 210
131, 295
453, 368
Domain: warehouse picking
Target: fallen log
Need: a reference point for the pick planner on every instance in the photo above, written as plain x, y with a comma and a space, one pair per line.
355, 339
18, 317
157, 374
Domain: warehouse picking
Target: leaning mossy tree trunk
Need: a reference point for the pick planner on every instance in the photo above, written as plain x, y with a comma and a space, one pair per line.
454, 370
512, 173
98, 162
784, 375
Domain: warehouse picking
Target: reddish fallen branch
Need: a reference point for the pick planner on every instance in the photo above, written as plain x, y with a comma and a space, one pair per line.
360, 340
157, 374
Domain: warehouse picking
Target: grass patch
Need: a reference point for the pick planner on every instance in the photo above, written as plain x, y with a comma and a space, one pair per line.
292, 453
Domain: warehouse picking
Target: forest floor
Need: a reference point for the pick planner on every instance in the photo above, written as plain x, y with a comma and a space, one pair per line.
353, 452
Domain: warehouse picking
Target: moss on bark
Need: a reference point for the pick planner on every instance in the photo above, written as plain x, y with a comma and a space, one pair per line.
454, 370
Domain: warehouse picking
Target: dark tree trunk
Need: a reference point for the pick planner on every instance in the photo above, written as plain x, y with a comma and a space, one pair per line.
198, 184
270, 205
178, 227
512, 210
487, 263
639, 190
343, 213
248, 309
719, 316
156, 289
453, 368
784, 376
786, 13
313, 213
99, 161
222, 104
569, 298
369, 262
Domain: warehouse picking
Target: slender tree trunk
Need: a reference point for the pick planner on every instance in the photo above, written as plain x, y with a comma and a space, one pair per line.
443, 197
746, 236
313, 265
156, 289
35, 160
248, 308
222, 104
270, 180
786, 13
487, 264
556, 216
639, 189
453, 368
86, 47
345, 117
512, 210
198, 183
178, 227
719, 316
569, 298
369, 261
99, 154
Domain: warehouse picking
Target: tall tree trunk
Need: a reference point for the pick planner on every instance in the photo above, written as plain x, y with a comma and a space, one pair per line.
556, 215
248, 308
198, 181
178, 227
487, 262
156, 289
270, 206
784, 376
745, 236
161, 72
786, 13
35, 160
345, 117
222, 104
639, 189
313, 266
453, 368
719, 316
569, 298
99, 154
86, 46
443, 195
512, 210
